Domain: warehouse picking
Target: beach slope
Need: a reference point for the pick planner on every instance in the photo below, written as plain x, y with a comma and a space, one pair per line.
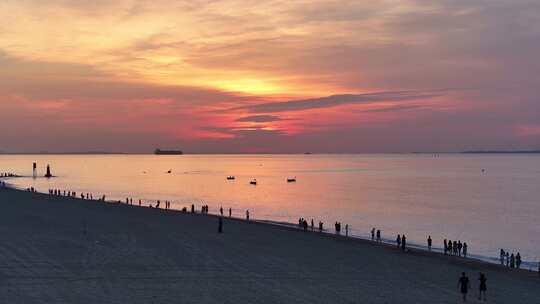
65, 250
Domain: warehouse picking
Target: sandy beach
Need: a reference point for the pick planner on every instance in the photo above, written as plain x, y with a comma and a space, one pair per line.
140, 255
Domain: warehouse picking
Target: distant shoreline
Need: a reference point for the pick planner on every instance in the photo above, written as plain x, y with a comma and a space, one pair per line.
299, 153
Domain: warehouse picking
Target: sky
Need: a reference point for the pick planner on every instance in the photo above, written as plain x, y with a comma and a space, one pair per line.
262, 76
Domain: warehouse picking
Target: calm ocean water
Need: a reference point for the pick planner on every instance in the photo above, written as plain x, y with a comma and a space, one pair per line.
447, 196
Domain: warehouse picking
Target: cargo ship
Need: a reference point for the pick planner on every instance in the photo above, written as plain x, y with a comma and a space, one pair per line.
167, 152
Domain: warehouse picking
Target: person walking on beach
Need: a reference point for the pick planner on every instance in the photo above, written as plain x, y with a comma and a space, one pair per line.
403, 243
512, 261
465, 249
312, 225
463, 285
346, 229
518, 260
502, 255
450, 247
247, 215
507, 259
455, 247
398, 241
320, 226
378, 235
372, 234
483, 287
221, 211
445, 246
230, 212
459, 247
429, 241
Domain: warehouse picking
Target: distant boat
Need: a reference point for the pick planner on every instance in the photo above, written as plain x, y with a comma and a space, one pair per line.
230, 177
253, 182
167, 152
291, 180
169, 172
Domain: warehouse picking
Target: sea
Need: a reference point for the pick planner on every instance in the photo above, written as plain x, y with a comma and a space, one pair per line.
489, 201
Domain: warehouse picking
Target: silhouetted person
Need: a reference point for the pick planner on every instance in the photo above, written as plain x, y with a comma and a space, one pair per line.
230, 212
455, 247
465, 249
320, 226
373, 234
507, 259
305, 225
445, 246
518, 260
378, 235
512, 261
346, 229
403, 243
221, 211
450, 246
247, 215
459, 247
429, 241
483, 287
502, 255
398, 241
463, 285
312, 225
220, 225
192, 208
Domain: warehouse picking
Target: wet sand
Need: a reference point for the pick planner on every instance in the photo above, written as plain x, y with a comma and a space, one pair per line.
140, 255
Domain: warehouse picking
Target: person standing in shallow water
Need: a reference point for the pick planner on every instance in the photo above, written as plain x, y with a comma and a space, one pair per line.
463, 285
512, 261
403, 243
378, 235
429, 241
445, 246
518, 260
483, 287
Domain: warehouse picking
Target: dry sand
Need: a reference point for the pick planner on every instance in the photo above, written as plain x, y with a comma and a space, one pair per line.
141, 255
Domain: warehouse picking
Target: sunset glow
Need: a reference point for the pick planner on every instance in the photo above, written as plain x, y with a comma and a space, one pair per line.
273, 76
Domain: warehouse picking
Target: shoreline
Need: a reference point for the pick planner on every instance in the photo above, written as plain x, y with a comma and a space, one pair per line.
65, 249
387, 243
530, 266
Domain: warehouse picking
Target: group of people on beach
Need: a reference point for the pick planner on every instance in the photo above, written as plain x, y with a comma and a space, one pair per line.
401, 241
464, 284
376, 234
8, 174
303, 224
455, 248
511, 260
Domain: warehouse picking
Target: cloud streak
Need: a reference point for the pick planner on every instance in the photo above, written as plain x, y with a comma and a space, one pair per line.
337, 100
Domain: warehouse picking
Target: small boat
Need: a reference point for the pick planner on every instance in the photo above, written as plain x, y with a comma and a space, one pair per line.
253, 182
291, 180
169, 172
230, 177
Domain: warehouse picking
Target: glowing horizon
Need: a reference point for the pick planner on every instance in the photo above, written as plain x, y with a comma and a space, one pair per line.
275, 76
